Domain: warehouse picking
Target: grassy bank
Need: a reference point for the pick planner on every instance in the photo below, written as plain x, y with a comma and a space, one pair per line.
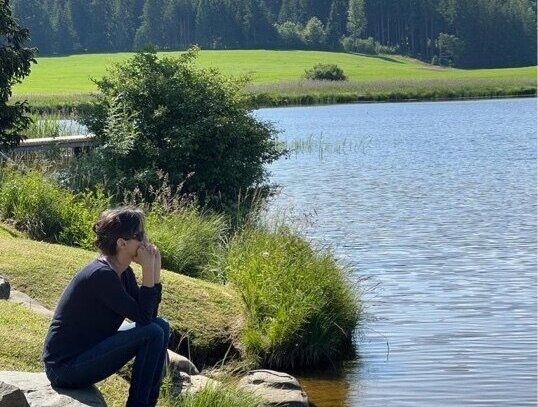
57, 82
22, 333
207, 316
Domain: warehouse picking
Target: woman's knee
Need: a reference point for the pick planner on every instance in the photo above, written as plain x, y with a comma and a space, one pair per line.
165, 327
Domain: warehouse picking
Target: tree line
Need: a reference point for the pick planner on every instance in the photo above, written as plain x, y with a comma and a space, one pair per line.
468, 33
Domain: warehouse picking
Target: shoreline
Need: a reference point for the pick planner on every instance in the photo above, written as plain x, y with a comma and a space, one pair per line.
404, 100
265, 101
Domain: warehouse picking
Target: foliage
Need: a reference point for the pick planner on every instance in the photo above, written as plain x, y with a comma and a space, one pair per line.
356, 18
291, 34
450, 49
45, 211
314, 33
336, 24
301, 310
495, 32
166, 115
327, 72
15, 62
367, 46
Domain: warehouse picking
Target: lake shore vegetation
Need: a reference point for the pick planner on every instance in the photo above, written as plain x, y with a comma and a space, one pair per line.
208, 314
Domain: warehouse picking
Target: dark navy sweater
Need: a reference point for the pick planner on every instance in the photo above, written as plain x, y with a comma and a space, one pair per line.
92, 308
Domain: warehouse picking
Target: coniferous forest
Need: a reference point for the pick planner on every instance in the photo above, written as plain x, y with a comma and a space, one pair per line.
465, 33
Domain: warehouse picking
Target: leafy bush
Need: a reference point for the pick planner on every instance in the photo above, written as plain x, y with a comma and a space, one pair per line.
301, 310
44, 210
164, 114
329, 72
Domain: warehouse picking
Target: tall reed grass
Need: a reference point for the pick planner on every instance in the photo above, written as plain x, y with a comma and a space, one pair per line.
54, 124
188, 239
301, 308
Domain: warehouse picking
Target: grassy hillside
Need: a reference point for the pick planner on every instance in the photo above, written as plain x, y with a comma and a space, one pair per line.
67, 79
206, 313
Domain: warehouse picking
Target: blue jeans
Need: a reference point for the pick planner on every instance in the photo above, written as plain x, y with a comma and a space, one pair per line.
146, 343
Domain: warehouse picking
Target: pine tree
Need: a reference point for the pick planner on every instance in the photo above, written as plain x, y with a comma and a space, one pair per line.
336, 25
356, 18
32, 15
150, 31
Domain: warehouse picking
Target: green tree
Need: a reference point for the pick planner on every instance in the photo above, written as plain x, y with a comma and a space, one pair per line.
294, 11
33, 15
15, 62
291, 34
314, 33
356, 18
189, 123
336, 25
150, 32
450, 49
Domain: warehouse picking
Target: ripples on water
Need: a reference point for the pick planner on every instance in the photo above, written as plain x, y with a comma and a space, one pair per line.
438, 207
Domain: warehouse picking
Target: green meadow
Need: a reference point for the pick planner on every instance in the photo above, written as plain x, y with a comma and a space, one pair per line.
276, 77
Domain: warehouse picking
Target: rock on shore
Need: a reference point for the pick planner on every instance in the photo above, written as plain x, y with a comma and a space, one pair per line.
38, 392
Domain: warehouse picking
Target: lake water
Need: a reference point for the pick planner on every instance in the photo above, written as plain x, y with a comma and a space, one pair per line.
436, 204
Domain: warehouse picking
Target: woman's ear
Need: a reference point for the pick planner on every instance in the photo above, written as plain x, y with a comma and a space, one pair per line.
121, 242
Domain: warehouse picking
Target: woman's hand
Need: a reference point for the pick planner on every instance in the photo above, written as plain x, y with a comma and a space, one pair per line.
146, 256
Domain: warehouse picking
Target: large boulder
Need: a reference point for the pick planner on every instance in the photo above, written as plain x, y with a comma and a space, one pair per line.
11, 396
39, 392
274, 388
5, 288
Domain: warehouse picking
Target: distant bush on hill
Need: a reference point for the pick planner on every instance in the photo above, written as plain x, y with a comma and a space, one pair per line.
325, 72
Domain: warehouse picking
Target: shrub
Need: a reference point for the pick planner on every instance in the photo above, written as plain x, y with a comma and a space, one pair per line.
300, 308
330, 72
44, 210
164, 114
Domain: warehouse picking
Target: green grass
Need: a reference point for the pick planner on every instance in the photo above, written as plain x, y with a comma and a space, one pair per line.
301, 309
66, 80
221, 396
187, 239
209, 315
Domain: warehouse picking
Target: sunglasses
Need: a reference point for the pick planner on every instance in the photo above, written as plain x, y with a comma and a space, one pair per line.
138, 236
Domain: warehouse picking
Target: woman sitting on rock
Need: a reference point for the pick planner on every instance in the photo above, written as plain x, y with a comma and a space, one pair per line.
85, 344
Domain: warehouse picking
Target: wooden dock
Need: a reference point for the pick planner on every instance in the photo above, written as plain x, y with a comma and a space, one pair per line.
76, 143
